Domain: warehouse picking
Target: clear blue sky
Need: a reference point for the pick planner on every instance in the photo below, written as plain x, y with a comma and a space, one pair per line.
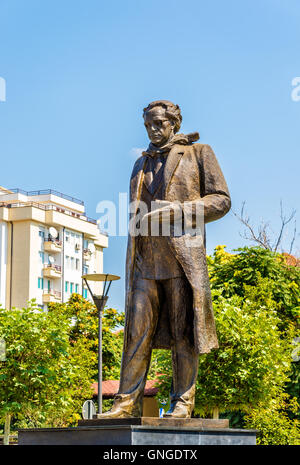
79, 73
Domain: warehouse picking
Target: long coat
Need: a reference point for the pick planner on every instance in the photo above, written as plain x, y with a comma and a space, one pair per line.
191, 174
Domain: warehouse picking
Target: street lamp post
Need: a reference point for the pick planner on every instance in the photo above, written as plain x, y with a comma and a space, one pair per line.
100, 302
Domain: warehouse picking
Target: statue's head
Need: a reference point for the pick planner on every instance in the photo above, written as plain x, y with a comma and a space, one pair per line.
162, 120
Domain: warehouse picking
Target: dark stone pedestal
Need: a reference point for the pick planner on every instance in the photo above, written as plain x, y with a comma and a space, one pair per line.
179, 423
141, 431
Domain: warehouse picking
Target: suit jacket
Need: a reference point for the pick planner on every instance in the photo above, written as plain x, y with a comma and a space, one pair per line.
191, 174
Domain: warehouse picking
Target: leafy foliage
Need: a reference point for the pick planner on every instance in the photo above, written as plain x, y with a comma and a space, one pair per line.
44, 377
251, 378
51, 360
273, 423
264, 277
83, 315
266, 272
251, 365
256, 304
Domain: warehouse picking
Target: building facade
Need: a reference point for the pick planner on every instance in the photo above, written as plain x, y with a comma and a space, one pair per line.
46, 244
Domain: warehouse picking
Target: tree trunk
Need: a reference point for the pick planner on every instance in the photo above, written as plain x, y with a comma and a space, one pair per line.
6, 429
216, 413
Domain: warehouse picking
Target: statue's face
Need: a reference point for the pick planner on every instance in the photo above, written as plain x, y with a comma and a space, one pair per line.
159, 128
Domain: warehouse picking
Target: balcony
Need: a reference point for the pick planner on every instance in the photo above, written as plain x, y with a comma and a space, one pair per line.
49, 207
52, 271
50, 295
46, 192
87, 254
52, 245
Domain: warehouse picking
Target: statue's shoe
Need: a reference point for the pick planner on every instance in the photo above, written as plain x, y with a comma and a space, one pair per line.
178, 411
116, 412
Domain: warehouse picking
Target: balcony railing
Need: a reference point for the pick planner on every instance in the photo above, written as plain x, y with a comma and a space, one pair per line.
91, 220
49, 207
53, 267
52, 239
56, 294
47, 192
87, 254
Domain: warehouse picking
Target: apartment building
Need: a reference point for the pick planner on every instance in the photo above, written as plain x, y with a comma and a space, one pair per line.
46, 244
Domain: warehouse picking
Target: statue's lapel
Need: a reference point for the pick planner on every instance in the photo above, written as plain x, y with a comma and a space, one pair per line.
173, 159
137, 179
138, 174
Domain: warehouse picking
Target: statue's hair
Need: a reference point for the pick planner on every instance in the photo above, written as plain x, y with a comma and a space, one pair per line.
172, 111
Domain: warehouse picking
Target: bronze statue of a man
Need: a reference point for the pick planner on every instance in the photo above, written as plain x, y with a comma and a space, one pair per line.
168, 300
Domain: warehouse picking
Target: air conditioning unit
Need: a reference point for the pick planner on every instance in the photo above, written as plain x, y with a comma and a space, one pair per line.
77, 246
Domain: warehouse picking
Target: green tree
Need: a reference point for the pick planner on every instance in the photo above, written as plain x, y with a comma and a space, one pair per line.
44, 378
256, 304
264, 277
265, 271
274, 423
251, 365
83, 315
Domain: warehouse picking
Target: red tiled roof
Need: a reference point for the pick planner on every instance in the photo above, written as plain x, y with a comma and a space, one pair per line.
111, 387
291, 260
118, 331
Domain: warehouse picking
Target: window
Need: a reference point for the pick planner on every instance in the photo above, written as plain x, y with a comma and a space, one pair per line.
42, 233
85, 293
67, 286
42, 257
72, 263
49, 285
85, 269
85, 243
40, 283
77, 264
76, 288
67, 261
71, 288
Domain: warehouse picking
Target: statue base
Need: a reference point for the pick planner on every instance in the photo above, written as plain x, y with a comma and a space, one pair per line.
155, 421
141, 431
